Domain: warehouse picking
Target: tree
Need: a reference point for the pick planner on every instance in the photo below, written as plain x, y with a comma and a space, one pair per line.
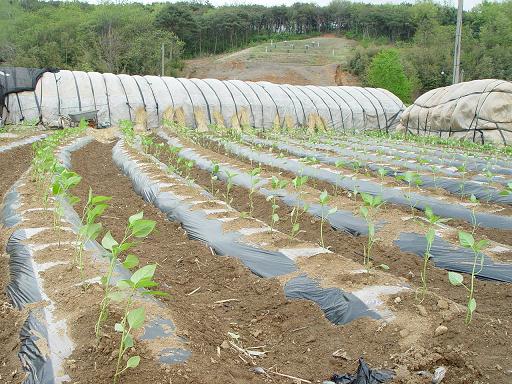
386, 71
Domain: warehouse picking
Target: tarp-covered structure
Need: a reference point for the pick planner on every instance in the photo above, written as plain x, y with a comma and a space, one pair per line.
199, 102
479, 110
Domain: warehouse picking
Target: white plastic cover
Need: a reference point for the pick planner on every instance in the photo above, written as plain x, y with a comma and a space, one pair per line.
259, 104
479, 110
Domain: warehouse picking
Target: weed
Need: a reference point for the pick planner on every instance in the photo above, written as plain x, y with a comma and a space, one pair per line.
276, 185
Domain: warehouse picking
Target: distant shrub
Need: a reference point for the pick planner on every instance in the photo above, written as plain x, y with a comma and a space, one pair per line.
386, 71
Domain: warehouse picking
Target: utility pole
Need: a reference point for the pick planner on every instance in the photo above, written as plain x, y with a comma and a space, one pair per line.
458, 38
163, 60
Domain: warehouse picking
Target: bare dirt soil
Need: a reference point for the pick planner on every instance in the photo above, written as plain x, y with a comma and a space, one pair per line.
12, 165
280, 63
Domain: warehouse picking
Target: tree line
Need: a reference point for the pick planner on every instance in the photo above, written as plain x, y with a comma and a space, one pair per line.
127, 37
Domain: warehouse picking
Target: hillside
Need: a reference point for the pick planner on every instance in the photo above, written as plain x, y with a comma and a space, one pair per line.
309, 61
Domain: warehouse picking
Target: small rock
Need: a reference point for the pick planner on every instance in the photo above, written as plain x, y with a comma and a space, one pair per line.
440, 330
438, 375
422, 310
398, 300
258, 370
341, 354
310, 339
224, 345
404, 333
498, 367
256, 333
443, 304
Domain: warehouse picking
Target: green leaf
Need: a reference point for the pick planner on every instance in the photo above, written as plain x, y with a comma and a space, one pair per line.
136, 317
135, 217
124, 284
116, 296
146, 283
466, 239
143, 273
92, 231
125, 246
296, 227
142, 228
108, 242
131, 261
96, 211
128, 341
275, 217
472, 305
100, 199
363, 211
155, 293
133, 362
118, 327
431, 233
455, 278
332, 211
481, 244
384, 267
324, 197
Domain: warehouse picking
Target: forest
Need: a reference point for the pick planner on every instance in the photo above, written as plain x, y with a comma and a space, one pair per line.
127, 37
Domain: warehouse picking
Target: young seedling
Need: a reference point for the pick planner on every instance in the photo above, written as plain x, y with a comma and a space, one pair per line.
255, 179
467, 241
507, 191
474, 223
138, 228
229, 185
382, 174
324, 199
368, 210
411, 178
276, 185
133, 318
462, 170
339, 164
63, 181
214, 175
489, 176
433, 220
298, 182
89, 230
189, 164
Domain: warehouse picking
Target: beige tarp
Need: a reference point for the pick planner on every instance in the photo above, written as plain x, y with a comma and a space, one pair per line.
479, 110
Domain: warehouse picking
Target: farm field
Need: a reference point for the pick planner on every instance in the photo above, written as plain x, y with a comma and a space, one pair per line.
241, 256
281, 62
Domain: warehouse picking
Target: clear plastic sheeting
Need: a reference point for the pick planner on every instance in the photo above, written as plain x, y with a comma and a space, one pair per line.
148, 100
479, 110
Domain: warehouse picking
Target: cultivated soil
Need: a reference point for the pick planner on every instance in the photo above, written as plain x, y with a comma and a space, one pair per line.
12, 165
493, 298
